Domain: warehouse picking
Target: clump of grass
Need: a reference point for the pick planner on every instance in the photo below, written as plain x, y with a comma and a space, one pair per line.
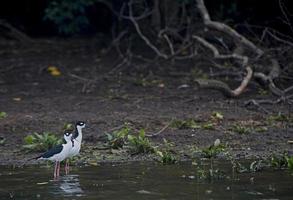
240, 129
280, 117
2, 140
165, 153
213, 150
3, 115
208, 172
118, 138
140, 143
68, 127
208, 126
217, 116
209, 152
282, 161
185, 124
40, 142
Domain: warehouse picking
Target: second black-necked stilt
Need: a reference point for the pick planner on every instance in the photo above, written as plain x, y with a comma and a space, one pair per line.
76, 139
59, 153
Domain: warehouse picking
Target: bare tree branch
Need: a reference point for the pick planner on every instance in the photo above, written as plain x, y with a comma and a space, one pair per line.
225, 28
217, 53
143, 37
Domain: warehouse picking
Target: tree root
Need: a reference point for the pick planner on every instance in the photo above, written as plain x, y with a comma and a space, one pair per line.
223, 87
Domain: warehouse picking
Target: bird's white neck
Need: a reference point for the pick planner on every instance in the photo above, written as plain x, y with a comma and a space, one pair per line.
79, 137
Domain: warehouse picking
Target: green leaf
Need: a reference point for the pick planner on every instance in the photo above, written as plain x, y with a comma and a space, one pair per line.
142, 133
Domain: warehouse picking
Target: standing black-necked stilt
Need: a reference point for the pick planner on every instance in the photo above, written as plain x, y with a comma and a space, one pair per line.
58, 153
76, 141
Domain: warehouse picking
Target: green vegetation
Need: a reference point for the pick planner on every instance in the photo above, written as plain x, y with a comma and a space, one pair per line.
282, 161
240, 129
3, 115
148, 82
69, 15
139, 143
118, 138
40, 142
280, 117
213, 150
136, 143
208, 126
68, 127
165, 153
2, 140
217, 116
185, 124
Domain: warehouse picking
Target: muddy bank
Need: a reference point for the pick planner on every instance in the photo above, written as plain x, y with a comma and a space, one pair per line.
37, 101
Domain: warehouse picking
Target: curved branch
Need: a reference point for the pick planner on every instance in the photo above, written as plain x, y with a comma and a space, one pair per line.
217, 53
225, 28
223, 87
143, 37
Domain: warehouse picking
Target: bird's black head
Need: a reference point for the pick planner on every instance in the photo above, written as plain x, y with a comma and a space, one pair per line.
67, 136
66, 133
80, 123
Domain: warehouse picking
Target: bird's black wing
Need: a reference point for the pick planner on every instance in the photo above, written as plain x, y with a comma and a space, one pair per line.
51, 152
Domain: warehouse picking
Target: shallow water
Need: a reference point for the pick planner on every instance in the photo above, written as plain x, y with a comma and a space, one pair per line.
141, 181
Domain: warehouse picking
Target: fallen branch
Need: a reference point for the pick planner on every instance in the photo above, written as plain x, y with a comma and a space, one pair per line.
223, 87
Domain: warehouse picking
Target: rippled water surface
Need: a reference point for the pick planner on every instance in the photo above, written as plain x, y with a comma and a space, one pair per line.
141, 181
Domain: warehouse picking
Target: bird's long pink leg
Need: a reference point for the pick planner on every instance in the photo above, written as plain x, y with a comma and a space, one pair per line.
58, 171
55, 170
67, 166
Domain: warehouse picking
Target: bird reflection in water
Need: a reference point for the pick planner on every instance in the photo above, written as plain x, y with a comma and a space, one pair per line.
67, 186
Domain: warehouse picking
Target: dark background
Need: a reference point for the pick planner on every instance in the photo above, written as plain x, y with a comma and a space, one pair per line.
28, 15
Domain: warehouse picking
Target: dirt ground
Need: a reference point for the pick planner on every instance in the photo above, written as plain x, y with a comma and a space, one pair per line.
36, 101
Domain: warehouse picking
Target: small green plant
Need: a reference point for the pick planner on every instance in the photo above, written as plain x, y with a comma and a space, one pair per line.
68, 127
217, 116
140, 144
213, 151
185, 124
280, 117
290, 162
208, 126
240, 129
263, 92
2, 140
166, 154
208, 173
281, 161
3, 115
118, 138
41, 142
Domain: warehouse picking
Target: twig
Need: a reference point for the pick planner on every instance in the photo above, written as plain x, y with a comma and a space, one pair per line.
160, 131
143, 37
257, 104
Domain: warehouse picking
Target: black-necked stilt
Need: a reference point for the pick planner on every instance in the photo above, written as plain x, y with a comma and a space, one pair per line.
76, 141
58, 153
